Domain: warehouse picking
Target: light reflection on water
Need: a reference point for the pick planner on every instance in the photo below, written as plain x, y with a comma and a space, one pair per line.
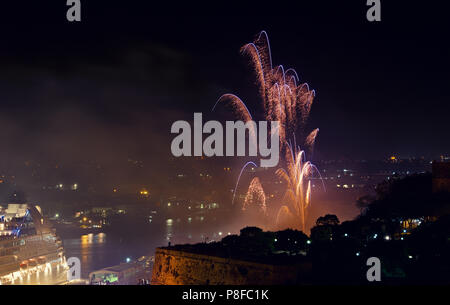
105, 249
44, 274
94, 251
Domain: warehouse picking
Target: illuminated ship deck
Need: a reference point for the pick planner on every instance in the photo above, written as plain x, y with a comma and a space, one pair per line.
30, 251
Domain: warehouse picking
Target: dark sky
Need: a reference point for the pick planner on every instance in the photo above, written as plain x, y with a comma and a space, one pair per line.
111, 86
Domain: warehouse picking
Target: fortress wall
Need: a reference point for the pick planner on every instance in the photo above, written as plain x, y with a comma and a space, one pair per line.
173, 267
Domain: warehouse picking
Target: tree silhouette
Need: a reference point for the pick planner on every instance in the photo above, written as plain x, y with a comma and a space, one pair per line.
364, 201
329, 219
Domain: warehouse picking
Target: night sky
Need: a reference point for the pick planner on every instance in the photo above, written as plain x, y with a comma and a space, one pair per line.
110, 86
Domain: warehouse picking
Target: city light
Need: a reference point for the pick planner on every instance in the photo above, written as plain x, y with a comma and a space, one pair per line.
128, 152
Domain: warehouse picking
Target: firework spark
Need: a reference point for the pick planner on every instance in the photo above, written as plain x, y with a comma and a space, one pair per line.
286, 100
255, 196
238, 105
239, 178
311, 140
298, 193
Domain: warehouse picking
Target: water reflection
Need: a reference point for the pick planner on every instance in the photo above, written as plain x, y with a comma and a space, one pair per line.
132, 239
43, 274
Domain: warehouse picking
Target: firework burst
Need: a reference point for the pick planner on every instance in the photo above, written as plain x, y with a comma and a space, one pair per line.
255, 196
298, 192
286, 100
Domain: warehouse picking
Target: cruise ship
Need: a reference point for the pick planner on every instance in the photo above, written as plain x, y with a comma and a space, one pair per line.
30, 251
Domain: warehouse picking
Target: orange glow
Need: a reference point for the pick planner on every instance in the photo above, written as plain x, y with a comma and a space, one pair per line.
144, 192
255, 195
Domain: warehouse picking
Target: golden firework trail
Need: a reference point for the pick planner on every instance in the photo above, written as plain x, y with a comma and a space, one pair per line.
298, 191
286, 100
255, 196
